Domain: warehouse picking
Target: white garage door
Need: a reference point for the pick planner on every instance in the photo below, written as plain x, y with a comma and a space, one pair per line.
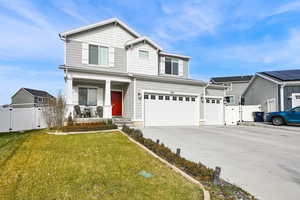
170, 110
214, 111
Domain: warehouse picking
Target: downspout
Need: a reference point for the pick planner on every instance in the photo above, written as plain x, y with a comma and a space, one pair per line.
282, 97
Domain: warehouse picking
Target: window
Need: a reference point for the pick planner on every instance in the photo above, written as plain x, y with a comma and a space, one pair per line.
180, 98
171, 66
297, 96
218, 101
229, 99
87, 96
153, 97
146, 96
207, 101
296, 109
160, 97
193, 99
187, 98
213, 101
98, 55
167, 97
143, 54
174, 98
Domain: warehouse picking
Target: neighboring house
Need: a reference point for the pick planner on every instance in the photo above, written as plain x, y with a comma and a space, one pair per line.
236, 86
274, 90
26, 97
109, 64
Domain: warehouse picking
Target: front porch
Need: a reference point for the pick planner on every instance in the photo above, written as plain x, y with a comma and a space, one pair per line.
89, 100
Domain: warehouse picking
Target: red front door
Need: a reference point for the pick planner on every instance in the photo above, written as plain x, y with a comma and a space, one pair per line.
116, 102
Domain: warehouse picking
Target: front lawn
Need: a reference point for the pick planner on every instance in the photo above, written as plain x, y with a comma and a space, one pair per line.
86, 166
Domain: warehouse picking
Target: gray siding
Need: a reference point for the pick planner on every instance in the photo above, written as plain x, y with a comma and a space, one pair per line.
128, 100
74, 57
288, 91
237, 91
214, 92
159, 86
260, 91
185, 69
22, 97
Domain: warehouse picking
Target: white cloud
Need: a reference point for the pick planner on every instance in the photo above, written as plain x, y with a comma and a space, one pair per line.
188, 19
70, 7
291, 6
268, 52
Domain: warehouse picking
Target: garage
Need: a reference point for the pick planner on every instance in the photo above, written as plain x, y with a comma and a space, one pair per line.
214, 111
171, 110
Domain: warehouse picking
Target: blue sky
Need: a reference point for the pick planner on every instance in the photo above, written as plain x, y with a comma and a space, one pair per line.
223, 37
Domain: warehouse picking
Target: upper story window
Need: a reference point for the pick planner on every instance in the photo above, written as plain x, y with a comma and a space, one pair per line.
143, 54
171, 66
98, 55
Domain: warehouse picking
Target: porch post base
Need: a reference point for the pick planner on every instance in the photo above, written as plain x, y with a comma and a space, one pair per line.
107, 112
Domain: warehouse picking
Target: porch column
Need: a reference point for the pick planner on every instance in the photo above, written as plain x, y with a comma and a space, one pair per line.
107, 110
69, 96
282, 97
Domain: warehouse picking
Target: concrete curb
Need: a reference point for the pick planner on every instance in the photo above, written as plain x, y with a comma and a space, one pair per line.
206, 193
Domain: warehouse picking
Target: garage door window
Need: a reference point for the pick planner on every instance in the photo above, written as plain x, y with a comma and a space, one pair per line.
146, 96
187, 98
153, 97
160, 97
213, 101
174, 98
167, 97
207, 101
193, 99
180, 98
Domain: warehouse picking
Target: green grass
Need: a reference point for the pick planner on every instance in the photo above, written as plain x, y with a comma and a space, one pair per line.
86, 166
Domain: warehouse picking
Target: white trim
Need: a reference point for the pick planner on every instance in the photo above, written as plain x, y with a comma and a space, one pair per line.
269, 79
174, 55
169, 93
98, 24
134, 99
141, 39
98, 77
282, 97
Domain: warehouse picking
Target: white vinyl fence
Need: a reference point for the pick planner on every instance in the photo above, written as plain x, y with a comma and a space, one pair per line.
240, 113
21, 119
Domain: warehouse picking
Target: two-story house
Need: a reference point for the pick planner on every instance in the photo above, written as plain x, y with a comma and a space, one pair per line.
109, 65
236, 86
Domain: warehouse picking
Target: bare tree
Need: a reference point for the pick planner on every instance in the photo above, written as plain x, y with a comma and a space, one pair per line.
54, 112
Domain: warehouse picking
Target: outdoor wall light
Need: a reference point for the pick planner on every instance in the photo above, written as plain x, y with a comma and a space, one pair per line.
139, 96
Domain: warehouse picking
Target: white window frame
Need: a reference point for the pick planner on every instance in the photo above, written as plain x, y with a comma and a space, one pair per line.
144, 51
99, 46
87, 87
230, 103
173, 60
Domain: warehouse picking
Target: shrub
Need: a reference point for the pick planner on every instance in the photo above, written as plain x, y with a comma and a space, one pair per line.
95, 126
199, 171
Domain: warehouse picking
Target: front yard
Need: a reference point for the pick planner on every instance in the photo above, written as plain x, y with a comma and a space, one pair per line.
36, 165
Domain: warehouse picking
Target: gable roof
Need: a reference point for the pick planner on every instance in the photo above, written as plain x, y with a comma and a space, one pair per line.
283, 75
99, 24
231, 79
142, 39
39, 93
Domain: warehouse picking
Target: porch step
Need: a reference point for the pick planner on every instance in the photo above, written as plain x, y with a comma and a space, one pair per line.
121, 121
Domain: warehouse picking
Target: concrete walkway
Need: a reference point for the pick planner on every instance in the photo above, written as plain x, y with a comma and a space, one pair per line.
264, 161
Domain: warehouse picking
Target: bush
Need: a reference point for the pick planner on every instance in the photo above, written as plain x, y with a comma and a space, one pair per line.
88, 127
199, 171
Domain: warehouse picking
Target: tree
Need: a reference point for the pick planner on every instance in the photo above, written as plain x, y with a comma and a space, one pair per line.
54, 112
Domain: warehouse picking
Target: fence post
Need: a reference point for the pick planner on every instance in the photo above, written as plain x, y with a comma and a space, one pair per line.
157, 141
216, 177
178, 152
10, 119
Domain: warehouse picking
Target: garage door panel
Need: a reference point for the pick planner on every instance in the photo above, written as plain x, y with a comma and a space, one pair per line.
170, 113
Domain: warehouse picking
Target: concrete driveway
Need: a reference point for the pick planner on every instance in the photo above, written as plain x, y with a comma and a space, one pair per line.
263, 161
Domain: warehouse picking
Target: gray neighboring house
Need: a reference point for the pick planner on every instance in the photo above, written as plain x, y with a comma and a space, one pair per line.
236, 86
274, 90
26, 98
